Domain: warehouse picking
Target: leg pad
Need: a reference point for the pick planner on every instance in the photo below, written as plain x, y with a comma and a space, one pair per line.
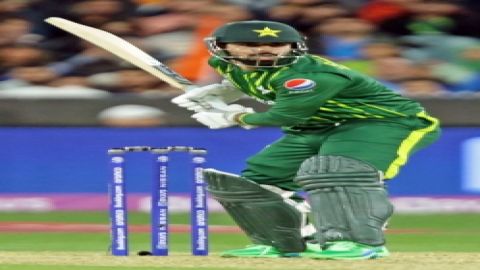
348, 199
265, 216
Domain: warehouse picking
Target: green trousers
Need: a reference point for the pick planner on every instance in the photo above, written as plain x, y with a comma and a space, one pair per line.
386, 145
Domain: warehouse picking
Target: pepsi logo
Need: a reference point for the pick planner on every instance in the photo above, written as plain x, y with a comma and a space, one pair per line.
299, 84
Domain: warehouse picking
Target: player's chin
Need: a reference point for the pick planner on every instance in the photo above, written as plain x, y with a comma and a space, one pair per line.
266, 62
258, 61
263, 58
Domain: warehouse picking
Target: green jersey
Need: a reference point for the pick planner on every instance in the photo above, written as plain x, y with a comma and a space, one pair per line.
315, 92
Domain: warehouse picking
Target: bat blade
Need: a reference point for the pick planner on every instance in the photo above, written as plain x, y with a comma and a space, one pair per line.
122, 49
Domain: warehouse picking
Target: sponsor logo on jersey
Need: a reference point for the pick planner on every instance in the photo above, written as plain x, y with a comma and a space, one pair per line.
299, 84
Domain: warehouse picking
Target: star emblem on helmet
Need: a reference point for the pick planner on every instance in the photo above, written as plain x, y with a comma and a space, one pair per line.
267, 31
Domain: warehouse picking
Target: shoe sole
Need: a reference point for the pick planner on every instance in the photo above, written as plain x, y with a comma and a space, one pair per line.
262, 256
367, 256
252, 256
381, 255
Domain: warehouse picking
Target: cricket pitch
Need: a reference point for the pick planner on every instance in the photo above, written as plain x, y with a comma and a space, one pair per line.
95, 260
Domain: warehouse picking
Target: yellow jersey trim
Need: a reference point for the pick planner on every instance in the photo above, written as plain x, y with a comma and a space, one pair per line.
408, 144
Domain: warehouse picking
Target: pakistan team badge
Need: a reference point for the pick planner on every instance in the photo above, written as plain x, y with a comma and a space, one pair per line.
300, 85
266, 31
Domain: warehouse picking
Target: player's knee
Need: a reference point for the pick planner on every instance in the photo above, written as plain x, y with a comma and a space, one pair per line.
269, 175
336, 171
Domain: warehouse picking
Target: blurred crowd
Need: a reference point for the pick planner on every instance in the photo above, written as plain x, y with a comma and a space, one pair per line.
416, 47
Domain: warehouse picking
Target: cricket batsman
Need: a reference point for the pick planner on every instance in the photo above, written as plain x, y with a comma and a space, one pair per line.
345, 134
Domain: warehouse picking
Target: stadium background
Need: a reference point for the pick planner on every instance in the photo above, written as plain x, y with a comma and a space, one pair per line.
64, 102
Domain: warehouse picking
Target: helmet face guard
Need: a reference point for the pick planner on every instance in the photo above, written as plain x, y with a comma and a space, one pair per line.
262, 32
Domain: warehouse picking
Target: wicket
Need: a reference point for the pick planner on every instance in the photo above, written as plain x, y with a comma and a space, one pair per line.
159, 202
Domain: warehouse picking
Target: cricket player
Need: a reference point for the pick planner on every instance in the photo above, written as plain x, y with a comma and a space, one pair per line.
344, 135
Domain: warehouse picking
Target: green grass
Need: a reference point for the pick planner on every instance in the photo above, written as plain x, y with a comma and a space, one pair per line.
179, 242
438, 232
60, 241
420, 234
433, 232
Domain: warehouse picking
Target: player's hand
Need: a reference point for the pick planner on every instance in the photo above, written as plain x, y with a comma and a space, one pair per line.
205, 98
207, 103
223, 119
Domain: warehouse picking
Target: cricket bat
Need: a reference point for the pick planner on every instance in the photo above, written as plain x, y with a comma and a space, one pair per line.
124, 50
128, 52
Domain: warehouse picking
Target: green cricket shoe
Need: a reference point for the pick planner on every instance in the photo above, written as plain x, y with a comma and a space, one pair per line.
256, 251
340, 250
382, 252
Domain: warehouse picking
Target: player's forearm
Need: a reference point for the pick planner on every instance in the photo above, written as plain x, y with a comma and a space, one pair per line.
268, 119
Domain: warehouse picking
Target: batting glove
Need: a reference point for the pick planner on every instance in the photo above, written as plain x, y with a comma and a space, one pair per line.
213, 96
223, 119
